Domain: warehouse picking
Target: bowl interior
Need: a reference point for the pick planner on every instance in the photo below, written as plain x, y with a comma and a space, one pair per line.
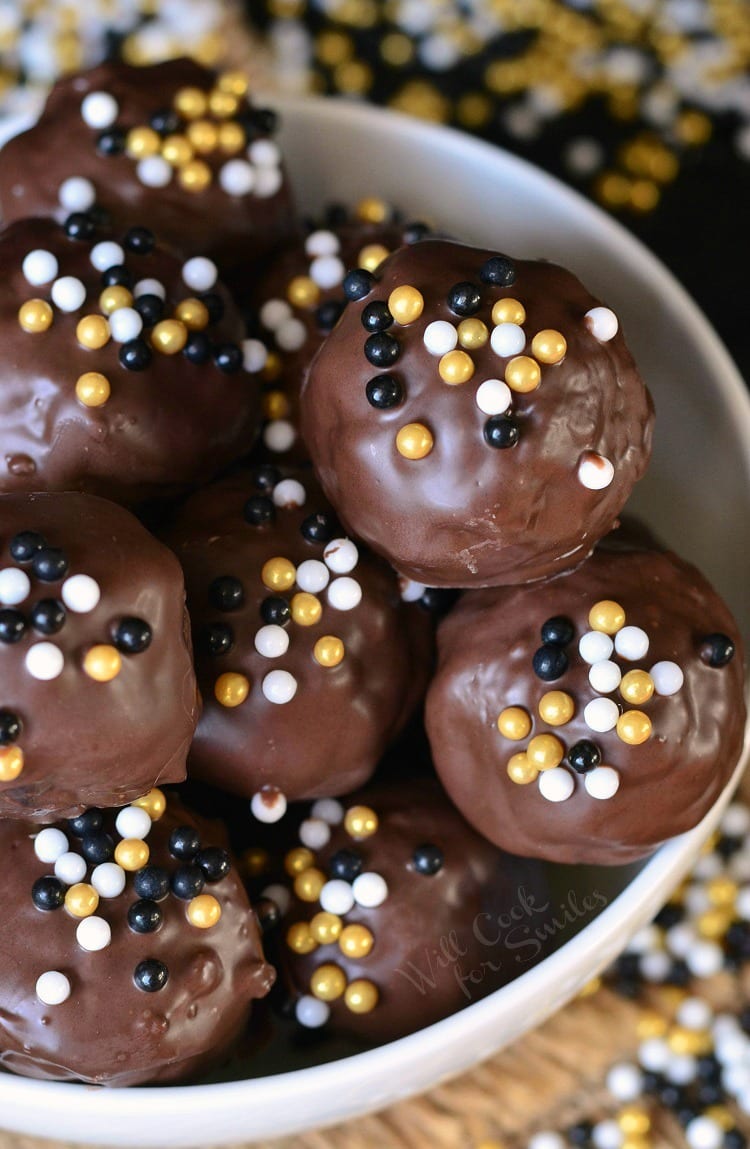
696, 496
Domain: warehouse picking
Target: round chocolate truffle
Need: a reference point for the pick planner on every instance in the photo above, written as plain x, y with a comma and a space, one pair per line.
98, 698
122, 372
589, 718
489, 430
308, 659
300, 299
400, 914
173, 144
132, 958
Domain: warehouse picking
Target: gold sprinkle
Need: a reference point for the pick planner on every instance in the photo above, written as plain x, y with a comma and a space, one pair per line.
328, 982
81, 900
508, 311
306, 608
298, 860
650, 1024
132, 854
255, 862
191, 103
11, 763
232, 138
93, 389
92, 332
414, 441
694, 1042
169, 336
371, 256
633, 1120
203, 136
356, 941
714, 923
326, 928
693, 128
456, 367
405, 304
113, 298
308, 884
549, 346
328, 651
722, 891
177, 150
234, 82
102, 662
193, 313
520, 770
303, 291
373, 210
154, 803
545, 751
299, 938
275, 405
35, 316
472, 333
194, 176
278, 574
514, 723
231, 689
333, 47
222, 104
203, 911
607, 616
360, 822
272, 366
636, 687
634, 727
556, 708
142, 142
361, 996
523, 374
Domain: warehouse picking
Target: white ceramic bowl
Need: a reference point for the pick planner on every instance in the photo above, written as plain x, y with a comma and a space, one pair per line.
697, 496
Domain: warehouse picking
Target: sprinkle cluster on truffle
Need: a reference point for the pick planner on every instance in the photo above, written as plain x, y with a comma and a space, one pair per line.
36, 561
345, 886
129, 311
204, 136
608, 640
523, 355
90, 865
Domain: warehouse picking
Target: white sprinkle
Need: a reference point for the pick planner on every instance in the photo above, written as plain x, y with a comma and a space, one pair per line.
508, 339
76, 194
99, 110
370, 890
267, 182
648, 938
602, 323
743, 903
264, 153
654, 1054
602, 782
595, 646
269, 805
667, 677
625, 1081
440, 337
271, 641
410, 591
705, 959
50, 844
695, 1013
601, 715
70, 868
150, 287
655, 966
291, 334
289, 493
605, 676
607, 1135
274, 312
199, 273
237, 177
681, 1069
704, 1133
322, 243
696, 899
312, 576
493, 397
93, 934
278, 894
336, 897
39, 267
52, 988
546, 1139
595, 472
279, 687
80, 593
631, 643
311, 1012
556, 785
344, 594
153, 171
254, 355
327, 271
736, 820
133, 822
68, 293
44, 661
108, 880
341, 556
329, 809
584, 156
314, 833
14, 586
279, 435
106, 254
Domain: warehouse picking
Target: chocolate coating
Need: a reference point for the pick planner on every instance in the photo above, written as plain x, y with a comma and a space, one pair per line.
467, 514
87, 742
162, 428
328, 737
108, 1031
230, 229
345, 238
666, 783
441, 939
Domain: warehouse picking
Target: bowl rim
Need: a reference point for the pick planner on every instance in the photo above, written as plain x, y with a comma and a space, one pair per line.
666, 867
